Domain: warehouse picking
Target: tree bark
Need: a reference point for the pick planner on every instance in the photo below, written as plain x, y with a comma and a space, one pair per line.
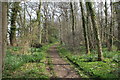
14, 10
111, 29
4, 31
85, 29
45, 27
60, 32
39, 23
1, 41
106, 24
117, 6
96, 31
73, 26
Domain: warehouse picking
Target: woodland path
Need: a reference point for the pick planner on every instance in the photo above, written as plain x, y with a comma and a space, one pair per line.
61, 68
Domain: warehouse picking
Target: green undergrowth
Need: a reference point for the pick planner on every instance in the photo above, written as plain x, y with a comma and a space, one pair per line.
108, 68
30, 70
26, 65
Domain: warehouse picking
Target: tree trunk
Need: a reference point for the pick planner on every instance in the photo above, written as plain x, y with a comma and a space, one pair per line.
117, 6
106, 25
45, 27
96, 30
46, 30
14, 10
60, 32
85, 29
73, 31
111, 29
101, 23
4, 31
1, 58
39, 23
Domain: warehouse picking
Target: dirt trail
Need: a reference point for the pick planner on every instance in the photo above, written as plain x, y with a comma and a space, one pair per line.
61, 68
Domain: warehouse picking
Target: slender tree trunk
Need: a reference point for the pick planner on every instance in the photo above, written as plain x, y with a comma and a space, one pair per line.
73, 30
60, 32
45, 36
96, 30
85, 29
39, 23
24, 23
111, 30
66, 24
90, 34
46, 31
106, 24
101, 23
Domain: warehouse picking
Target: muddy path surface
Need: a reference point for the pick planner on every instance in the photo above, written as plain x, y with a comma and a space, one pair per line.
61, 68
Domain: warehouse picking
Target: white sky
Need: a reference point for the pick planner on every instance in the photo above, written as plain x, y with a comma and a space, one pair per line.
56, 0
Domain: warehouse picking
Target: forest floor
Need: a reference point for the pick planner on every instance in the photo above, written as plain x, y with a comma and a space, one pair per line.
55, 61
61, 68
